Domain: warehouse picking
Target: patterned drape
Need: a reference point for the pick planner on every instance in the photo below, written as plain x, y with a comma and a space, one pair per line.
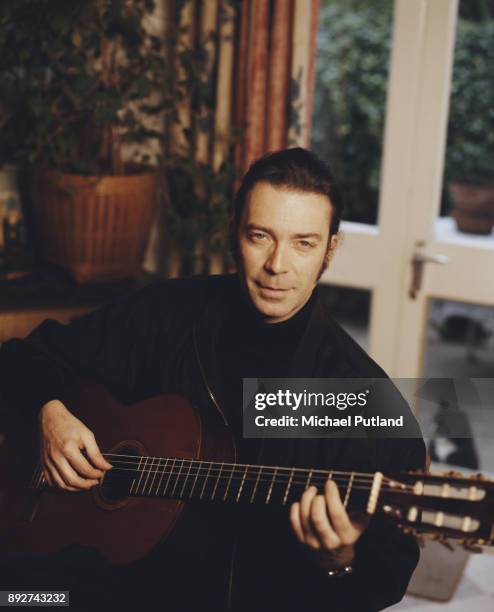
258, 64
274, 75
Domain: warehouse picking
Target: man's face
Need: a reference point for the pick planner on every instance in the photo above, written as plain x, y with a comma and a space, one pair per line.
282, 245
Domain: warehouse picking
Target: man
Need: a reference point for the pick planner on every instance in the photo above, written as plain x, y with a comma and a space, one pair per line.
200, 337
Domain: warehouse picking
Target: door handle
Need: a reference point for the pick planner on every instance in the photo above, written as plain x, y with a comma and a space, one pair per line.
418, 260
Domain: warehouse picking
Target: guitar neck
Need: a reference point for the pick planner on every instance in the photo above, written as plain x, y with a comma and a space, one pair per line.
447, 505
230, 482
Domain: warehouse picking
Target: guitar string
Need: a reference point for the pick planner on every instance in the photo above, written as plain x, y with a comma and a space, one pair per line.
267, 478
213, 472
370, 475
184, 464
231, 477
228, 476
208, 466
314, 475
140, 458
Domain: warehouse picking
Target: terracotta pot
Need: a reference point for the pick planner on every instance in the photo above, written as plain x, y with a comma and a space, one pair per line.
473, 207
95, 227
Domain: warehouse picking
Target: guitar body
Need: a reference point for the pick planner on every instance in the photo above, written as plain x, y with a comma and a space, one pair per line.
123, 529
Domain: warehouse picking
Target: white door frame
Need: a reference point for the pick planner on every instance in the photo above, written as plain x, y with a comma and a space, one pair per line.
379, 257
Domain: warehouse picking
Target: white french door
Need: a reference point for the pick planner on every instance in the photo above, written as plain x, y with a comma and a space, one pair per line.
379, 258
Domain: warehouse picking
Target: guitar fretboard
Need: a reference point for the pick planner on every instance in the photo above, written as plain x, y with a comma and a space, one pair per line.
189, 479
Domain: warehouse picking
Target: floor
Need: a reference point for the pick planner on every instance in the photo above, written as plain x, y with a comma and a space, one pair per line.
475, 593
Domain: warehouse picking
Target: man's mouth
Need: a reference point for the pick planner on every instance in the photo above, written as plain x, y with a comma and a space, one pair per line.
270, 290
263, 286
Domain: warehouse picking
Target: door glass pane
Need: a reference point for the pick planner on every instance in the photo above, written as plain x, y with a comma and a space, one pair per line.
467, 206
353, 50
460, 345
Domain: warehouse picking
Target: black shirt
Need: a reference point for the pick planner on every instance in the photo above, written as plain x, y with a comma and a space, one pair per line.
249, 347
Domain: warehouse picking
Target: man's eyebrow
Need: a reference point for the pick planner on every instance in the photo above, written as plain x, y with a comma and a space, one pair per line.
299, 236
255, 226
309, 235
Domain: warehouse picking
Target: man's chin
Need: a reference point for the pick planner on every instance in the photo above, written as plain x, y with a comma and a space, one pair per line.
269, 310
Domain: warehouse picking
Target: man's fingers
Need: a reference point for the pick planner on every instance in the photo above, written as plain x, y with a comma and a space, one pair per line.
321, 525
71, 478
94, 452
295, 522
305, 504
304, 536
338, 515
306, 500
81, 465
69, 449
56, 477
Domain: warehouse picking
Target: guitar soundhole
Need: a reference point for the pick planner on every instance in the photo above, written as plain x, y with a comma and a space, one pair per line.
117, 482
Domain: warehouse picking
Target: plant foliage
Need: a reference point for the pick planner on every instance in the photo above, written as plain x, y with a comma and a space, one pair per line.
352, 69
470, 152
79, 81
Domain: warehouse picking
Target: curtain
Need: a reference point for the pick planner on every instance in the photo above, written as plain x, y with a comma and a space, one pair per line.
275, 75
244, 72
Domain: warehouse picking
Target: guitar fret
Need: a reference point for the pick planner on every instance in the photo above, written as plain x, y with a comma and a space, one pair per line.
309, 477
163, 472
145, 474
348, 489
134, 481
142, 468
229, 483
168, 479
195, 480
242, 483
177, 478
289, 485
205, 481
154, 476
185, 481
217, 481
271, 487
158, 464
149, 472
257, 482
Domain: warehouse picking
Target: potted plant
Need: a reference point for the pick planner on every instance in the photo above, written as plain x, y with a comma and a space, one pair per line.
470, 156
86, 83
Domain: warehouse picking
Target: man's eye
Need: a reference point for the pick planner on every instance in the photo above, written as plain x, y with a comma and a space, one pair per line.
305, 244
258, 236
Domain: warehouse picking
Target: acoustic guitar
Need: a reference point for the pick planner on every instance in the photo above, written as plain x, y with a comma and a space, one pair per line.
163, 456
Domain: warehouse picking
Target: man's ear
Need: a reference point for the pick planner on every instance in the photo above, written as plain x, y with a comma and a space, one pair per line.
333, 244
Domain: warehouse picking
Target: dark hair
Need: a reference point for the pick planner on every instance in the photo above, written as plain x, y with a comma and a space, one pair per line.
297, 169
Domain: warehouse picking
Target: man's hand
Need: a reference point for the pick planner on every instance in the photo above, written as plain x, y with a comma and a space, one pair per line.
321, 522
62, 438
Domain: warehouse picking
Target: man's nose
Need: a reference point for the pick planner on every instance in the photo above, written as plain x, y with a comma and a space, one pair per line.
277, 261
